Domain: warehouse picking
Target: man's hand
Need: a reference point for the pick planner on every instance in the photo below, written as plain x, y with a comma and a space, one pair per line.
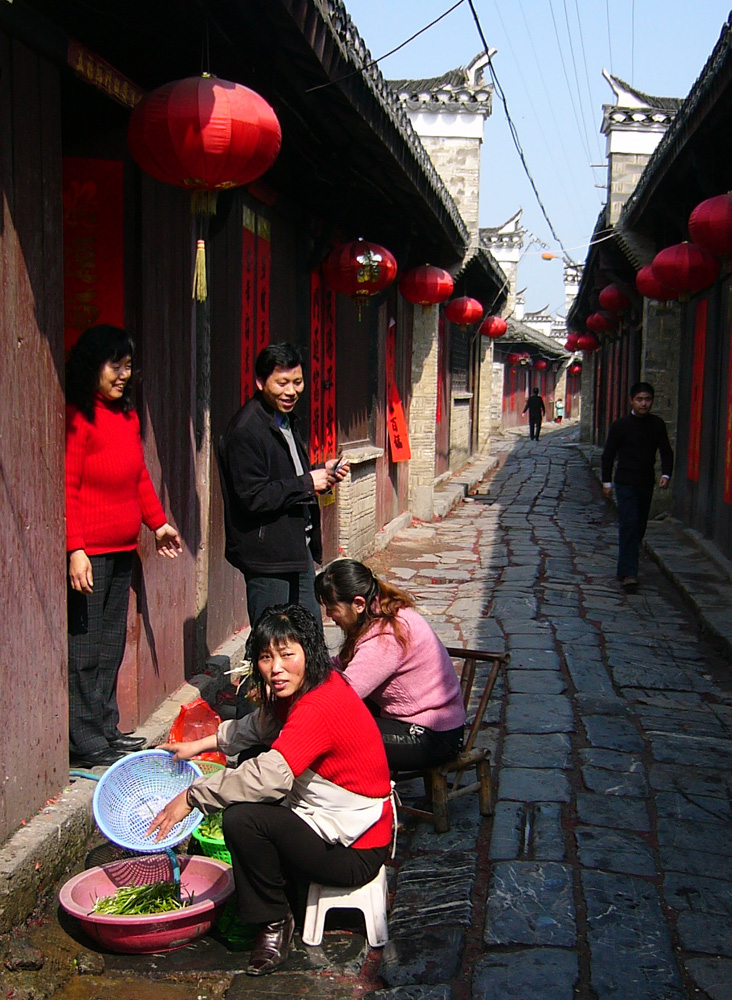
81, 577
663, 482
167, 541
607, 491
322, 480
176, 810
338, 468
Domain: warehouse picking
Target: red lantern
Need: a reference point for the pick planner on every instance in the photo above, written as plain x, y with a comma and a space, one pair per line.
685, 268
514, 358
426, 285
651, 288
575, 369
540, 365
588, 342
599, 323
204, 134
359, 269
614, 298
463, 311
710, 225
493, 327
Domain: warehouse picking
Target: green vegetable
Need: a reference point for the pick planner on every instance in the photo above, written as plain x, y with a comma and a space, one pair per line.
156, 897
213, 826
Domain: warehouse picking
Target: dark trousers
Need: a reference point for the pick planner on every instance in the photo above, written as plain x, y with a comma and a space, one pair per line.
97, 633
411, 748
534, 427
634, 504
264, 591
272, 849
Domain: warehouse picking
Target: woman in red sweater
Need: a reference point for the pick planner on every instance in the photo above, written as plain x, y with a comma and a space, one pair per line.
108, 496
317, 805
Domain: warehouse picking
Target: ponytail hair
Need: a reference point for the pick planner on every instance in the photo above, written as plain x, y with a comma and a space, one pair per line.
346, 579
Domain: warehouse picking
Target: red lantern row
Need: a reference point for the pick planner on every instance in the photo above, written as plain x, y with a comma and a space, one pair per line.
359, 269
600, 322
540, 365
685, 268
575, 369
651, 288
463, 311
710, 225
613, 298
588, 342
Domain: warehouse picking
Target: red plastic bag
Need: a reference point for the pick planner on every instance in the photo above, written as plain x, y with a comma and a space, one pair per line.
196, 720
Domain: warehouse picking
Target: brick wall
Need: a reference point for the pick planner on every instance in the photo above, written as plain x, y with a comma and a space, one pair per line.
624, 171
422, 412
485, 404
497, 376
660, 357
459, 430
357, 503
458, 163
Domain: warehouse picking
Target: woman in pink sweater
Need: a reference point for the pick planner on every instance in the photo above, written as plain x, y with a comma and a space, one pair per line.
108, 496
393, 659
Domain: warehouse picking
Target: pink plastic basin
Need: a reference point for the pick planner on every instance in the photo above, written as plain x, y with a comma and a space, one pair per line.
211, 882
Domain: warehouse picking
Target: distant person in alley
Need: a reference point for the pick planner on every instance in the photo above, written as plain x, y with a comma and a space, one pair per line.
634, 440
536, 408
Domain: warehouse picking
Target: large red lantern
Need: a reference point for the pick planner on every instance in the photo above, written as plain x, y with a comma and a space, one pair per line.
599, 323
205, 135
359, 269
651, 288
685, 268
426, 285
588, 342
463, 311
571, 341
493, 327
540, 365
613, 298
514, 358
710, 225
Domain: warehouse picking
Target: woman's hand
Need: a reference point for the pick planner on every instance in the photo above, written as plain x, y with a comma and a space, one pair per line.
176, 810
81, 577
167, 541
189, 748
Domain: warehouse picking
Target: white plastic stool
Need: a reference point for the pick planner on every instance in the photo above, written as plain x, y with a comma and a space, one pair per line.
371, 899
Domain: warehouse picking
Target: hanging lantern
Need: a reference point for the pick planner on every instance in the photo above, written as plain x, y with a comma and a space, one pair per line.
575, 369
710, 225
588, 342
571, 342
514, 358
540, 365
493, 327
651, 288
359, 269
426, 285
599, 323
613, 298
205, 135
685, 268
463, 311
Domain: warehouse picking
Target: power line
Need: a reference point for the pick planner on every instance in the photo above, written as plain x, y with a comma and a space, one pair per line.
584, 60
609, 38
514, 133
355, 72
576, 79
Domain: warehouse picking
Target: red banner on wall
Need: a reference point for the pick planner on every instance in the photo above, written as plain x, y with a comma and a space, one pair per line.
316, 374
264, 268
248, 305
697, 392
728, 436
396, 421
93, 233
329, 372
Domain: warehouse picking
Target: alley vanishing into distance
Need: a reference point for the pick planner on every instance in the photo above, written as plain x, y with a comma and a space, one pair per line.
606, 871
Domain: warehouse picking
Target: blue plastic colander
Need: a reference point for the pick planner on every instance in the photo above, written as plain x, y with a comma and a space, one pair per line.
134, 790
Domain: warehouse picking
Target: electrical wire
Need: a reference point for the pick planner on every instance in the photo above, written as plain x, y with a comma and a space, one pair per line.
609, 37
632, 42
587, 75
355, 72
576, 79
514, 132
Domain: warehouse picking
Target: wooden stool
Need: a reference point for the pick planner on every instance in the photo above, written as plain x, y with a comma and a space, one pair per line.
371, 899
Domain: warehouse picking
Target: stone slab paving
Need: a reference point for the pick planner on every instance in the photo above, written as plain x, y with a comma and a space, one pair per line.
606, 870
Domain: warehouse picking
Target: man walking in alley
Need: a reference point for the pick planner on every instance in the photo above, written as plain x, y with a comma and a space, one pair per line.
536, 408
271, 513
634, 440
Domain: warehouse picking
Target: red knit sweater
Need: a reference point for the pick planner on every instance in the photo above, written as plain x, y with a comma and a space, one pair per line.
108, 489
330, 731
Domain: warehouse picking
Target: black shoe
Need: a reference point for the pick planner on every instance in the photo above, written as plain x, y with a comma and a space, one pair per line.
97, 758
271, 946
128, 743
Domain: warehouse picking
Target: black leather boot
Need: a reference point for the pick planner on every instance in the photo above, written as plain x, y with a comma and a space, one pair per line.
271, 946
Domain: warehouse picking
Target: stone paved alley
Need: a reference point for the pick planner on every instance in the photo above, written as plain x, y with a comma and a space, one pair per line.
606, 871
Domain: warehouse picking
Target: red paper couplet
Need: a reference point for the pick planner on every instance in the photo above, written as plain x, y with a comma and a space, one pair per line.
697, 391
396, 421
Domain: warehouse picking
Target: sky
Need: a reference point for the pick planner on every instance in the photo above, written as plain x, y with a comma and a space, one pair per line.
549, 64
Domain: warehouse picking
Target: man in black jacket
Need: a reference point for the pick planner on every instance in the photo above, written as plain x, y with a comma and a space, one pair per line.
635, 439
271, 512
536, 408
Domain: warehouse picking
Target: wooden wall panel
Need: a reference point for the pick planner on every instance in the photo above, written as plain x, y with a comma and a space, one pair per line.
34, 734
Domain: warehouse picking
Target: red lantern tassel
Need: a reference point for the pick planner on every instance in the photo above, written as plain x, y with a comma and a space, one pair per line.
200, 288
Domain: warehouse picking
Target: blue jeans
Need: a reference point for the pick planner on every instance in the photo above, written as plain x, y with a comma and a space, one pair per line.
285, 588
634, 504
